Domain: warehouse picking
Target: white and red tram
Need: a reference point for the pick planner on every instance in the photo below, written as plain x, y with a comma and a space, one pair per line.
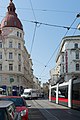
67, 93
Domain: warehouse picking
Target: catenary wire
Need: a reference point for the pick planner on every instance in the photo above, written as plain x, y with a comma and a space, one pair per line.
45, 10
47, 24
34, 28
33, 38
32, 9
68, 28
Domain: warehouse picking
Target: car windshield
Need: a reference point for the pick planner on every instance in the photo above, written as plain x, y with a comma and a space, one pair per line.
27, 93
3, 114
17, 101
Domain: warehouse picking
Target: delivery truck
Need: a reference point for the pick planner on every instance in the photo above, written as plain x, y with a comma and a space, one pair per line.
31, 93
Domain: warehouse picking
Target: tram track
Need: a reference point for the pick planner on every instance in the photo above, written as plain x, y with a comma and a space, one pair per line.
45, 112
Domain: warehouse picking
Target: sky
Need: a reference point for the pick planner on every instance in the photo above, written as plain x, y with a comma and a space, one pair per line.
42, 39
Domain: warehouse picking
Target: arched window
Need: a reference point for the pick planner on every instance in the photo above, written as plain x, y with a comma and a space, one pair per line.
76, 45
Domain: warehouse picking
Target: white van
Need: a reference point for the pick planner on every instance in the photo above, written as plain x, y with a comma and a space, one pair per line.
30, 93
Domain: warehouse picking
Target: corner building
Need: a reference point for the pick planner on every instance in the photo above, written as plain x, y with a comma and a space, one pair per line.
15, 63
67, 60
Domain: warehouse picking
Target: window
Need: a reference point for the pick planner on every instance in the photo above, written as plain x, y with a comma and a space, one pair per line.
10, 67
19, 45
19, 67
63, 68
10, 55
0, 78
20, 34
5, 22
17, 34
76, 45
0, 67
77, 54
15, 23
10, 9
62, 58
77, 67
0, 55
0, 44
17, 78
19, 57
10, 44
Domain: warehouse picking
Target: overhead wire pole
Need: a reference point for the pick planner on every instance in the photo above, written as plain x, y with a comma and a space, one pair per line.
68, 28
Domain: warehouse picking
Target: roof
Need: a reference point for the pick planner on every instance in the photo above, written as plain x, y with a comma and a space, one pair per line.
11, 19
4, 104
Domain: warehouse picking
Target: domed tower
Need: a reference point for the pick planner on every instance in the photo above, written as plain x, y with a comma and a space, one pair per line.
14, 58
11, 19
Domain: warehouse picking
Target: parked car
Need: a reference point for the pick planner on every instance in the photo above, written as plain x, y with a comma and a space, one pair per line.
20, 103
7, 111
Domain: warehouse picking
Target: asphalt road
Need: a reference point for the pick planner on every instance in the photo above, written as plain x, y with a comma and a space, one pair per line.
45, 110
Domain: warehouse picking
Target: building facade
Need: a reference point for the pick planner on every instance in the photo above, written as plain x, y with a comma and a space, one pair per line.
15, 62
68, 59
36, 83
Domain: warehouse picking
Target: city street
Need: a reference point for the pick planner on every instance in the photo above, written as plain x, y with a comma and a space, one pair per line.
45, 110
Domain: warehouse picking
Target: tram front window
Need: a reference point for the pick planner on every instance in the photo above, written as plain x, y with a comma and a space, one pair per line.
63, 95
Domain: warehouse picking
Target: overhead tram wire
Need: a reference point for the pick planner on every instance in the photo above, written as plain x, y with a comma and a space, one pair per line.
32, 10
77, 16
33, 38
34, 28
46, 10
68, 28
47, 24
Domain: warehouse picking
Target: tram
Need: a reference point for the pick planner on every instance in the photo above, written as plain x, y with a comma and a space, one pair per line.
66, 93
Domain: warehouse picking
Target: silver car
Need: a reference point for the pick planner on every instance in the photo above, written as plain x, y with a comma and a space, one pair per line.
7, 111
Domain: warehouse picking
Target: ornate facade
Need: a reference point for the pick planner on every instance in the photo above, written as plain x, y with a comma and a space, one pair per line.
15, 62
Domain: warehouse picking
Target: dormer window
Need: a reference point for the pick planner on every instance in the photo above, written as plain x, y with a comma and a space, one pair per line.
76, 45
10, 9
5, 22
15, 23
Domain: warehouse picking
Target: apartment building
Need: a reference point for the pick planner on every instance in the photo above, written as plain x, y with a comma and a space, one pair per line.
67, 60
15, 62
